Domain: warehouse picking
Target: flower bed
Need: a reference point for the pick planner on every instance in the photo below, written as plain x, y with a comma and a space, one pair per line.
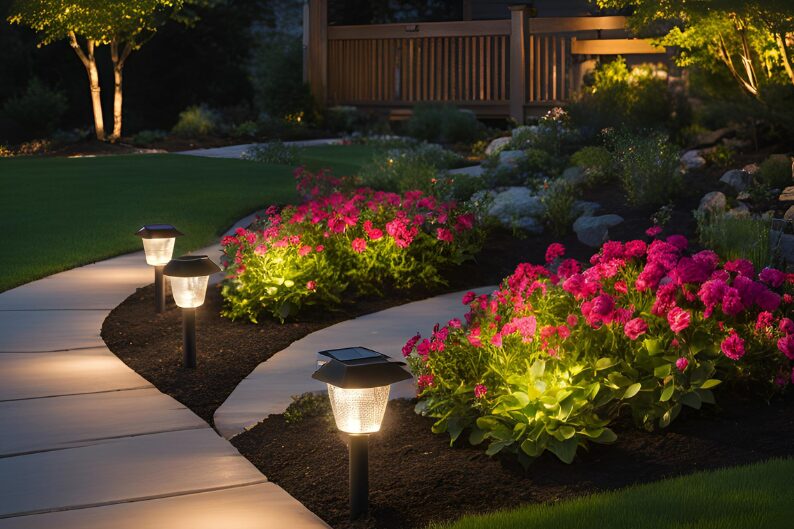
338, 244
551, 358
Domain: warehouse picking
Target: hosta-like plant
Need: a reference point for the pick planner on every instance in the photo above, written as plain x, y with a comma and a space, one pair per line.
341, 244
550, 359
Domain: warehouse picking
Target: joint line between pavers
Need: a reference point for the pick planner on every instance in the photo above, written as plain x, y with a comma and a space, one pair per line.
81, 443
133, 500
100, 345
148, 386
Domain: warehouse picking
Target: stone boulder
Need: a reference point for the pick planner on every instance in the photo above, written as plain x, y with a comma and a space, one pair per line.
511, 158
515, 203
714, 202
582, 208
523, 129
786, 245
474, 171
737, 179
574, 176
712, 137
529, 224
741, 211
789, 214
497, 145
693, 160
593, 231
787, 195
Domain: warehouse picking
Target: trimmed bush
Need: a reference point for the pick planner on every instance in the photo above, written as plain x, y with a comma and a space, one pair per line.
147, 137
196, 122
776, 172
277, 78
36, 112
404, 169
597, 162
549, 360
433, 122
338, 245
649, 168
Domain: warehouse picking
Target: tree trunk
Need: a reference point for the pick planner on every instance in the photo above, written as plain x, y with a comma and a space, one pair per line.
780, 38
89, 62
118, 69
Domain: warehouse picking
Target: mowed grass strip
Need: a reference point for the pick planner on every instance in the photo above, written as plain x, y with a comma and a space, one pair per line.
754, 496
59, 213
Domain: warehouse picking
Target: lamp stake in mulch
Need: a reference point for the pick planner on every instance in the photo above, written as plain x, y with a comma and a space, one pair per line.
189, 276
358, 382
158, 245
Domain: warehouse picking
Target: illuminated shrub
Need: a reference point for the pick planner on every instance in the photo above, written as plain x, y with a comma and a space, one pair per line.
337, 245
548, 360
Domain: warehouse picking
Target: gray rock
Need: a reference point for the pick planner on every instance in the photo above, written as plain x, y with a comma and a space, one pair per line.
511, 158
497, 145
789, 214
574, 176
713, 202
583, 208
741, 211
751, 168
693, 160
593, 231
785, 245
515, 203
474, 171
737, 179
787, 195
712, 137
529, 224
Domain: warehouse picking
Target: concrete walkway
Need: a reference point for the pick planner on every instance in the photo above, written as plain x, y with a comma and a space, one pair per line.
86, 443
269, 388
237, 151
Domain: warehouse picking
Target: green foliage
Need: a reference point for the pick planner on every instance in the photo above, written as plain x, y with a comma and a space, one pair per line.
531, 169
37, 111
736, 237
275, 152
147, 137
721, 155
307, 406
552, 134
340, 245
622, 98
597, 162
404, 169
559, 201
276, 73
246, 129
649, 167
438, 123
776, 172
196, 122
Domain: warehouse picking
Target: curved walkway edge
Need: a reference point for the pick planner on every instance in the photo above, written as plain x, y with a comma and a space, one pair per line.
86, 443
269, 387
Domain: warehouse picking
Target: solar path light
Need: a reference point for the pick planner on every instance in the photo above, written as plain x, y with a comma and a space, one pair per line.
358, 386
158, 245
189, 276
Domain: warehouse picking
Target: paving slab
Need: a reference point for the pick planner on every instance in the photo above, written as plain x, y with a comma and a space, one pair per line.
237, 151
60, 422
31, 375
50, 330
269, 388
122, 470
259, 506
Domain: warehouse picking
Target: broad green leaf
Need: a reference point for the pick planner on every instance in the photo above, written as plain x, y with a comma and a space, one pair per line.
537, 369
564, 450
605, 363
476, 436
710, 383
667, 392
662, 371
632, 390
691, 399
654, 347
606, 437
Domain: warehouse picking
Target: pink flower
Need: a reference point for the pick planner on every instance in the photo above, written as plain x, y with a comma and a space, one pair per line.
311, 285
474, 337
554, 251
635, 328
732, 302
572, 320
425, 381
409, 345
786, 346
733, 346
767, 300
679, 241
496, 340
742, 267
635, 248
653, 231
319, 248
444, 235
786, 326
304, 251
772, 277
359, 245
568, 268
526, 327
764, 321
681, 364
480, 391
678, 319
454, 323
603, 305
260, 250
464, 222
468, 297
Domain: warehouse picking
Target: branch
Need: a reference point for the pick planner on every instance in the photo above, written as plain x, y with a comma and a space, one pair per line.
726, 58
781, 44
78, 50
125, 54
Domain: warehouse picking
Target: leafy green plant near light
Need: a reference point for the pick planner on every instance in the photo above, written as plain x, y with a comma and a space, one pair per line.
338, 245
548, 361
415, 167
597, 162
649, 167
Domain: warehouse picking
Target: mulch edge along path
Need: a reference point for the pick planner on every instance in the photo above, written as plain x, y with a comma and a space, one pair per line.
416, 478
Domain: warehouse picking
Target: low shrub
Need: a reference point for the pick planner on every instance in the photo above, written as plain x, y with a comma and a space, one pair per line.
147, 137
275, 152
306, 406
649, 167
245, 129
196, 122
598, 164
736, 237
337, 245
559, 199
37, 111
404, 169
438, 123
549, 360
552, 134
721, 156
776, 172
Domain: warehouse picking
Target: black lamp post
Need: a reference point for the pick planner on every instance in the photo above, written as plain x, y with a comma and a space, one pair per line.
158, 245
358, 385
189, 276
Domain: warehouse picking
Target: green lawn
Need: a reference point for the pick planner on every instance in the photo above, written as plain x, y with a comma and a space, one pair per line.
58, 213
755, 496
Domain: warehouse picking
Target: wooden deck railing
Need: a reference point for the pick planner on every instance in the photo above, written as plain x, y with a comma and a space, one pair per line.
496, 67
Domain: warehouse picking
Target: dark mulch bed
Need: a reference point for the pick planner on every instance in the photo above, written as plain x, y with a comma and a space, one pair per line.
415, 477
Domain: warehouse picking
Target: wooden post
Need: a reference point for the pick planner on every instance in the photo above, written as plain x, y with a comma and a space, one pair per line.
518, 74
315, 36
